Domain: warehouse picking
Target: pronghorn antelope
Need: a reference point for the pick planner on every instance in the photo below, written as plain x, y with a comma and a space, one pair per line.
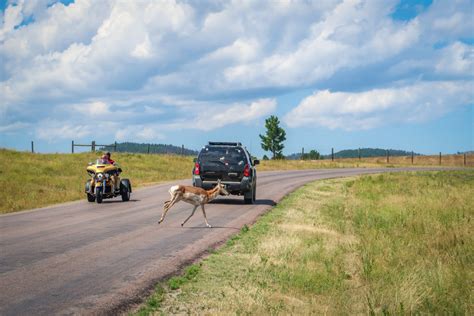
194, 196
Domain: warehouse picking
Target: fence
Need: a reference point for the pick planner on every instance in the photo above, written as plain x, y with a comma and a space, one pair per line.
150, 148
430, 160
93, 145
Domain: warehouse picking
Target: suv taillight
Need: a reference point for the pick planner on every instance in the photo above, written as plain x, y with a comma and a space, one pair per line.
197, 169
247, 171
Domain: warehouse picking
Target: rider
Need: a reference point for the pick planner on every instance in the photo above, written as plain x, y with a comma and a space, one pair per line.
106, 156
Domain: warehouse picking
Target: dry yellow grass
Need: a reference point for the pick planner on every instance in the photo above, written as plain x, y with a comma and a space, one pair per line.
433, 160
372, 162
385, 244
36, 180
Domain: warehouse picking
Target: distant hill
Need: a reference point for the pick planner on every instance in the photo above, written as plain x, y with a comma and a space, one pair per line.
154, 149
369, 152
364, 152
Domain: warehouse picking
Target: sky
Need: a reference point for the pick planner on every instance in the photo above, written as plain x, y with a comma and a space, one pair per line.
338, 74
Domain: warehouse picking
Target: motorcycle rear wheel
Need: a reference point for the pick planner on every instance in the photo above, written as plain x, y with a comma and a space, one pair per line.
90, 197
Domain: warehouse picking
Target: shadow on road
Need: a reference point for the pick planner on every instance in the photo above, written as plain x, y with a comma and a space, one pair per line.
241, 202
119, 201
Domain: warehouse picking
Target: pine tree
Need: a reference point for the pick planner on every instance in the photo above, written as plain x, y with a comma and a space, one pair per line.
274, 137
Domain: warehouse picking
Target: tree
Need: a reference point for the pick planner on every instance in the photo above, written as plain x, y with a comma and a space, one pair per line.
274, 137
312, 155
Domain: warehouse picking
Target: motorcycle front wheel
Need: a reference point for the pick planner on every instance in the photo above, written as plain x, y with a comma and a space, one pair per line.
98, 195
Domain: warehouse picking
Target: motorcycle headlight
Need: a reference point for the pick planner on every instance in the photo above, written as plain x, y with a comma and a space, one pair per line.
100, 176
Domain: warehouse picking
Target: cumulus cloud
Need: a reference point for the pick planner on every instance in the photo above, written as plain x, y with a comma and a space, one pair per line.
134, 61
374, 108
52, 130
14, 127
93, 108
215, 117
456, 59
139, 133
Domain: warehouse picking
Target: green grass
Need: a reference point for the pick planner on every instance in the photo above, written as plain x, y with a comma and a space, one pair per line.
385, 244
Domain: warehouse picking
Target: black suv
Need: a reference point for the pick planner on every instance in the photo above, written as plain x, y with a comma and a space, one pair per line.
232, 164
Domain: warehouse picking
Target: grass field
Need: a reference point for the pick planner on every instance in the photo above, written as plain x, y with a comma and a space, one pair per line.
382, 244
36, 180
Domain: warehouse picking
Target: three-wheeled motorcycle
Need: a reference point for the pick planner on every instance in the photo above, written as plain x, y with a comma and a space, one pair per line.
103, 177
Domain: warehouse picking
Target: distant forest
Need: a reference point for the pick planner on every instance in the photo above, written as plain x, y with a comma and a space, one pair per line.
364, 152
153, 148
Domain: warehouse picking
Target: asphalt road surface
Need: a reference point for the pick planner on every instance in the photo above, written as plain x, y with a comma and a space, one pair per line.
86, 258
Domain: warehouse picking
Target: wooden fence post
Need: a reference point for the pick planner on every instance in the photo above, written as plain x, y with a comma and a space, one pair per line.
440, 158
359, 153
32, 147
115, 146
182, 150
332, 154
72, 147
412, 157
464, 158
93, 146
302, 153
388, 156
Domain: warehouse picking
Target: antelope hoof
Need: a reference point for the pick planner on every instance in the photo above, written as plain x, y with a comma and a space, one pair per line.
182, 224
209, 225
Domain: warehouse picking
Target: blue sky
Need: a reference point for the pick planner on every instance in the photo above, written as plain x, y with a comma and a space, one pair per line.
338, 74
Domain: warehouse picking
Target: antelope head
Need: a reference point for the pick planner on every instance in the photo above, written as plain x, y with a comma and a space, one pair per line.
222, 189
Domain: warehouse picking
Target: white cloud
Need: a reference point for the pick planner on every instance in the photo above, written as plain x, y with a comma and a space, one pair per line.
132, 60
456, 59
14, 127
139, 133
144, 49
93, 109
374, 108
12, 17
52, 130
217, 117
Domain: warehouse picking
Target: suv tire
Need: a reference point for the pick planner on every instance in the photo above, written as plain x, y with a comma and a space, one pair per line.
249, 197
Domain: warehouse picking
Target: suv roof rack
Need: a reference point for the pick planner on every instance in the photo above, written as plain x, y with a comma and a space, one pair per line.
225, 143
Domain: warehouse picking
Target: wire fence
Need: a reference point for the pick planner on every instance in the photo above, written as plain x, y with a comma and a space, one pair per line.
462, 159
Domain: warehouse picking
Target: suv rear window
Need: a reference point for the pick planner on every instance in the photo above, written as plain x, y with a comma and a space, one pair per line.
230, 155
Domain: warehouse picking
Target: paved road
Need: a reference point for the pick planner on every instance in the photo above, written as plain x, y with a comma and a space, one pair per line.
85, 258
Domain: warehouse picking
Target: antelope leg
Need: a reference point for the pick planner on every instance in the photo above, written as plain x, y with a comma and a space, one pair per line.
192, 213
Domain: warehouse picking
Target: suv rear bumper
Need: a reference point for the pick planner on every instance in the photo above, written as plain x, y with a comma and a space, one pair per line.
245, 185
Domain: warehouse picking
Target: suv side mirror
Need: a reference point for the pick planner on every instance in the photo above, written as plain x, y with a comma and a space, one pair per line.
195, 160
256, 162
